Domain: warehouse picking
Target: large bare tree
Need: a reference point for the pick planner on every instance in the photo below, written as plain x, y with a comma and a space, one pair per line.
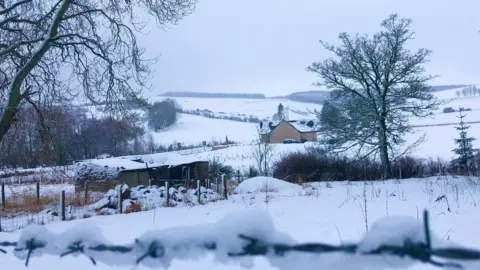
377, 85
54, 51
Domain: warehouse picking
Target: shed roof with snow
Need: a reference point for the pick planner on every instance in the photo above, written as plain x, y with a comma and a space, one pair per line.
132, 163
169, 159
118, 163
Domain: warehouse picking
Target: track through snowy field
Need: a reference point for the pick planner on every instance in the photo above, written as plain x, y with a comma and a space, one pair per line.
332, 213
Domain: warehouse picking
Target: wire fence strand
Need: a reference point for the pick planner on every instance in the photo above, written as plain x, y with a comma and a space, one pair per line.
38, 242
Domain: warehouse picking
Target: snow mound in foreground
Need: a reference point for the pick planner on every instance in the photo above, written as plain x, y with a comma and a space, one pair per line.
265, 184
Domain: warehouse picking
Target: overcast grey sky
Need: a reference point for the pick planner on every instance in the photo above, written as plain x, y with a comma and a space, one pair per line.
264, 46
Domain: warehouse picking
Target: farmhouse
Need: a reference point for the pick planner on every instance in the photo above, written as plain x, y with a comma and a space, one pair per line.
297, 130
154, 169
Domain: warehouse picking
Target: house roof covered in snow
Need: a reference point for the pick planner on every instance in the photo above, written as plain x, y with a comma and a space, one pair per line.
306, 125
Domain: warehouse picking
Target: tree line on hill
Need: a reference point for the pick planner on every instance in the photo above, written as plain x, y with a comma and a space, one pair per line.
212, 95
469, 91
313, 96
212, 115
61, 135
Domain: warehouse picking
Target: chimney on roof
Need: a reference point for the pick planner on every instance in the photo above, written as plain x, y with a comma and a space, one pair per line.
270, 125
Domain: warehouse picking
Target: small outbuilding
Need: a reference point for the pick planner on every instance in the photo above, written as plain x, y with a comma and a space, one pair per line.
153, 169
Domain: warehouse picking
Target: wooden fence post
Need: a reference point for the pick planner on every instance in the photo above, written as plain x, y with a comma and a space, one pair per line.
3, 196
62, 205
208, 183
38, 193
225, 191
85, 192
167, 203
120, 187
198, 191
217, 185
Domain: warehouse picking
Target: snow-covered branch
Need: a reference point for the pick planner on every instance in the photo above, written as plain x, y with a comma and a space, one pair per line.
392, 242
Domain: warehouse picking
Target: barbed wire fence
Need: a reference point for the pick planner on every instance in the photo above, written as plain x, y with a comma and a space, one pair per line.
157, 248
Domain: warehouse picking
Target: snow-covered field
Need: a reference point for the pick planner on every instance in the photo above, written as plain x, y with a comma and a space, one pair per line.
194, 129
332, 213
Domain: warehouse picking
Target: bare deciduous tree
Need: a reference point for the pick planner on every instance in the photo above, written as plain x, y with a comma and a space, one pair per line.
60, 50
263, 153
377, 85
72, 136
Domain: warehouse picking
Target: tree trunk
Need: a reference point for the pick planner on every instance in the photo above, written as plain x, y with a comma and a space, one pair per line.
384, 157
8, 116
15, 96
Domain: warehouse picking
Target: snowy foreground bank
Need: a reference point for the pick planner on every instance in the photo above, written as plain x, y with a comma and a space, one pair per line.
335, 213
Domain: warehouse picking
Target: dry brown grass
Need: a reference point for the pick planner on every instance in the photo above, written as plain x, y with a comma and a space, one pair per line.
135, 207
27, 202
103, 213
78, 199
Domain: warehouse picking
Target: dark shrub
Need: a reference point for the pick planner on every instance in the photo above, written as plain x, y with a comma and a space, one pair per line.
217, 168
448, 110
408, 167
315, 164
252, 172
437, 167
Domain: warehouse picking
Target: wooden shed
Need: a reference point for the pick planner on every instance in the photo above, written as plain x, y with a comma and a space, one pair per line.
154, 169
143, 176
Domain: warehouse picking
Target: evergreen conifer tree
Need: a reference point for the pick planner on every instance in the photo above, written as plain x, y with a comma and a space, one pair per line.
465, 151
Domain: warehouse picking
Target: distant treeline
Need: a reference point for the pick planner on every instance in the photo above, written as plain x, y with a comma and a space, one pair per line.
124, 104
210, 114
313, 96
438, 88
320, 96
317, 97
212, 95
